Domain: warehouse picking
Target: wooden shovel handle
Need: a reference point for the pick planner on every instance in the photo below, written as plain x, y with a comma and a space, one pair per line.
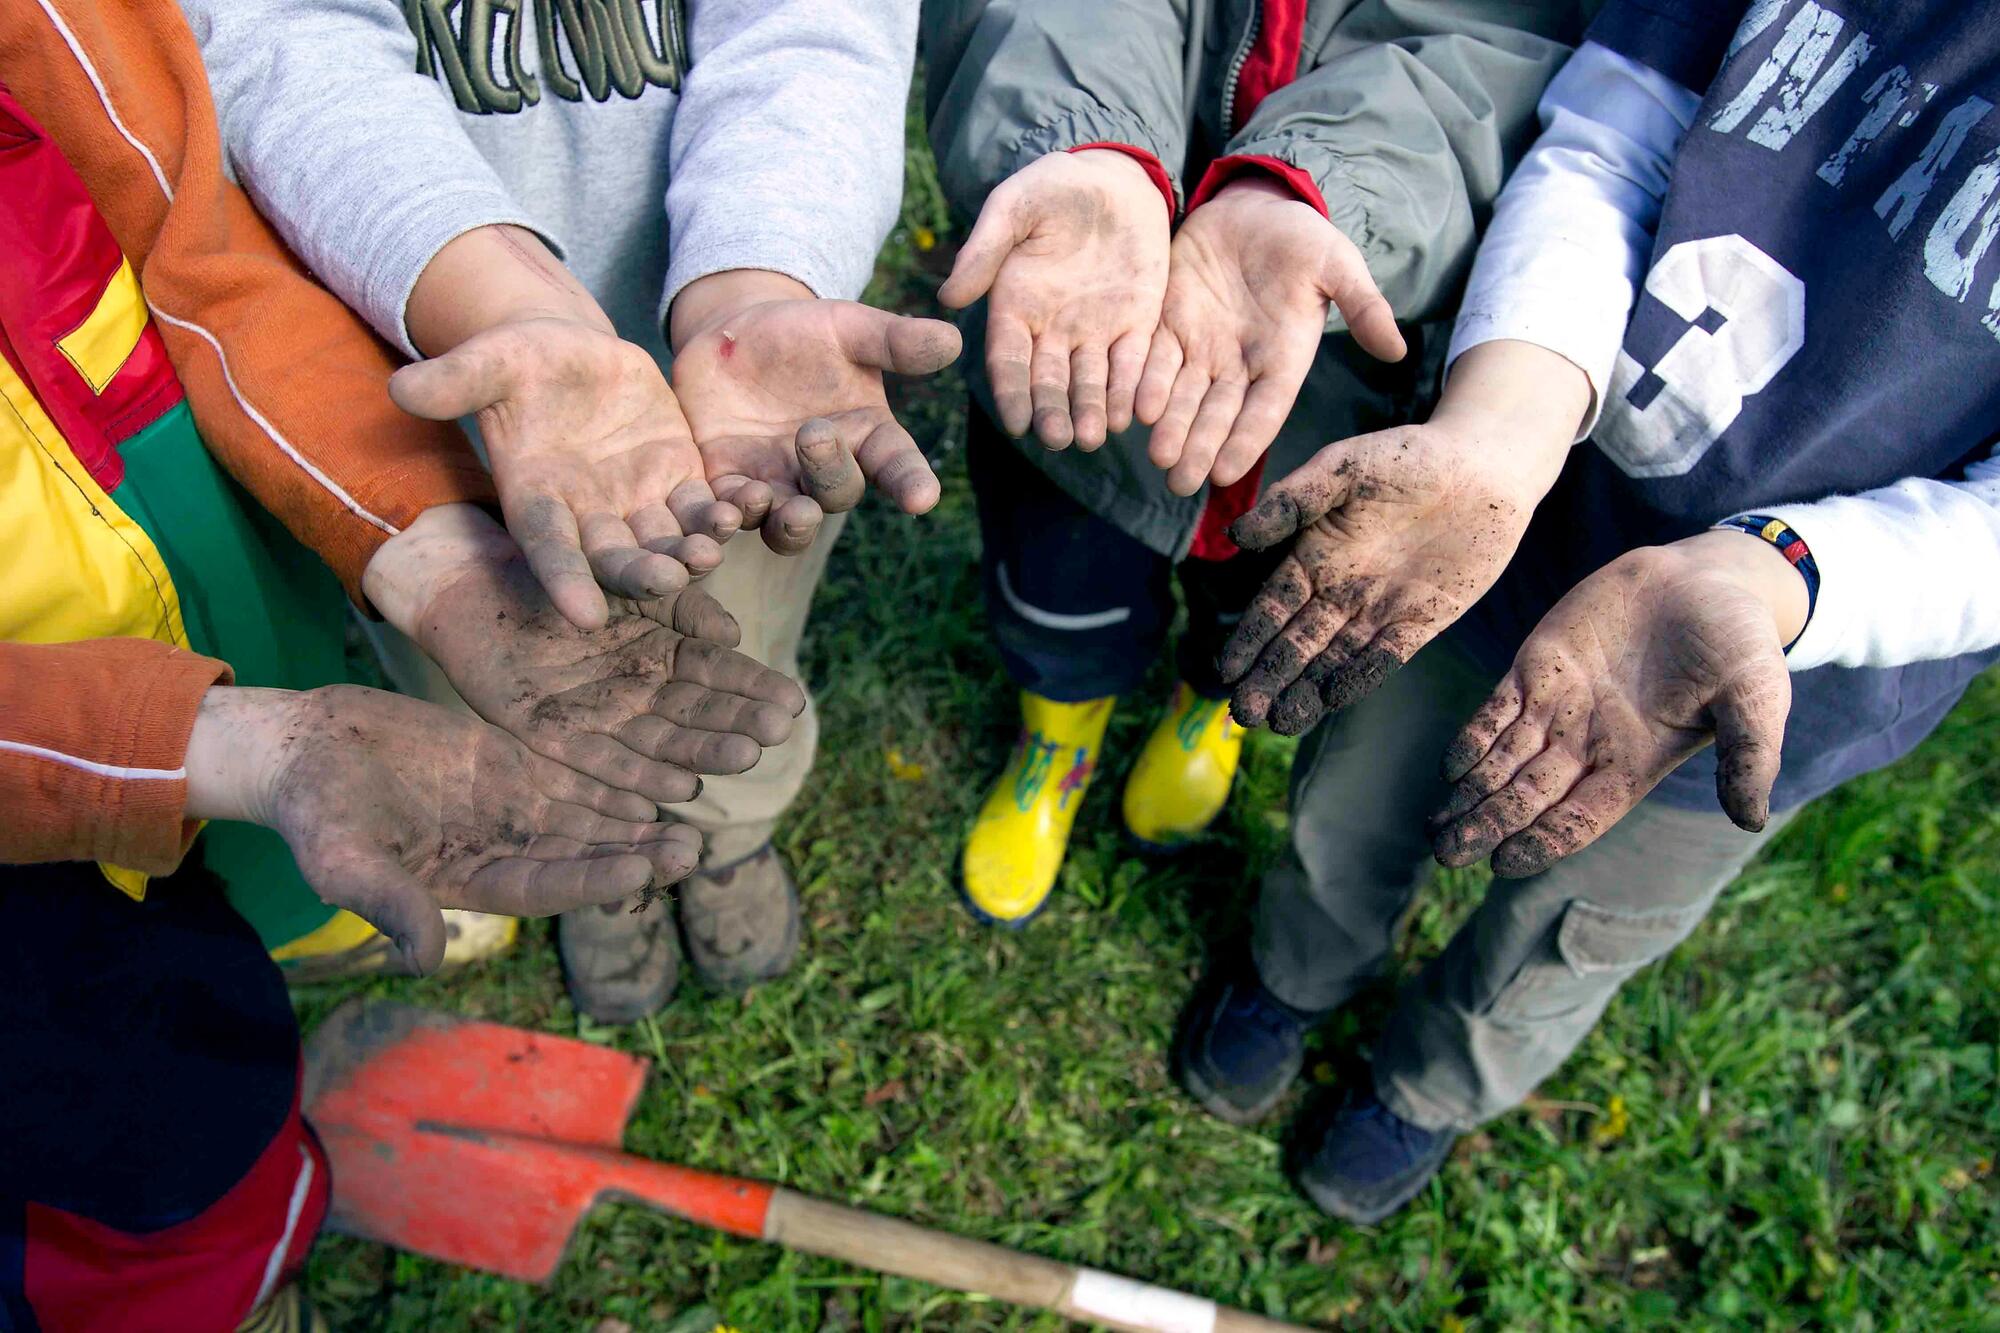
889, 1245
904, 1249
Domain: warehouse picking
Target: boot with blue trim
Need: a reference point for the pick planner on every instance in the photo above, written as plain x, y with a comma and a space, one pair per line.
1017, 845
1363, 1162
1240, 1047
1184, 773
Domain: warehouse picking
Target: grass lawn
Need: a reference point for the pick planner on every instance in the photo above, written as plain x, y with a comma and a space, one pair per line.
1791, 1123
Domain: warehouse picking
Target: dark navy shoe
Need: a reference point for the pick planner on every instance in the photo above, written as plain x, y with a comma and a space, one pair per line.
1240, 1047
1364, 1161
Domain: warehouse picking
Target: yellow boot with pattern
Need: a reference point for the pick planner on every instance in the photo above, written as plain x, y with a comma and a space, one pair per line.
1184, 773
1018, 842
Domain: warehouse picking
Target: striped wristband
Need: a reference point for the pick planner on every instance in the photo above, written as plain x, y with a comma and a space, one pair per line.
1790, 545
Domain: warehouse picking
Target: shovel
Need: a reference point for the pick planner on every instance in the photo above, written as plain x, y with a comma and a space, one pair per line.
485, 1145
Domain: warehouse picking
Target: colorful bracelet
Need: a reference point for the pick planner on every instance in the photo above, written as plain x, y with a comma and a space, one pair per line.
1790, 545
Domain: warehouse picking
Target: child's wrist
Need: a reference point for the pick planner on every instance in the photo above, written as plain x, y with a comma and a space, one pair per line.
716, 297
489, 277
408, 571
1764, 568
236, 751
1519, 398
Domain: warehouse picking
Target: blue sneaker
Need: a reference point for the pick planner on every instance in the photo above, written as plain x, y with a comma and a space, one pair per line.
1365, 1161
1240, 1047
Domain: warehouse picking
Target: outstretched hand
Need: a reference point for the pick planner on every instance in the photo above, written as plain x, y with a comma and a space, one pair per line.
1072, 253
1642, 664
395, 809
597, 470
784, 394
643, 704
1253, 273
1395, 534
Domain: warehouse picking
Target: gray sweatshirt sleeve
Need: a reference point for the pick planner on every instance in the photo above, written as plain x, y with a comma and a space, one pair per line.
787, 146
358, 161
1011, 80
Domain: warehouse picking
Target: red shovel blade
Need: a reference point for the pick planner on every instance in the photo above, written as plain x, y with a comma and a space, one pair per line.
405, 1101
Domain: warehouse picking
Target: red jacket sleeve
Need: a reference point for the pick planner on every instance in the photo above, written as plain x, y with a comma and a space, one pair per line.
288, 387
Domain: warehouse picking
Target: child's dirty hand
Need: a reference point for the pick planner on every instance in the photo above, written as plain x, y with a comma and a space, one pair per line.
395, 809
597, 470
1254, 270
1646, 661
1394, 535
784, 393
1072, 253
643, 704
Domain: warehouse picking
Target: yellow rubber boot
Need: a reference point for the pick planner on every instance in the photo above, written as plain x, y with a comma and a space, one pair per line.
1182, 779
347, 947
1017, 844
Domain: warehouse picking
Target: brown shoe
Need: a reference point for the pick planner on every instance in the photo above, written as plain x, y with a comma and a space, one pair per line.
620, 965
741, 920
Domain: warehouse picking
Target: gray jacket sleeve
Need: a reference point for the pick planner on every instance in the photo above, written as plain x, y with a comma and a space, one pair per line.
1012, 80
787, 146
358, 160
1409, 120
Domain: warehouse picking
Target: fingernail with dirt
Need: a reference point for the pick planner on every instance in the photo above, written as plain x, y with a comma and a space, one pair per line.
831, 475
1275, 518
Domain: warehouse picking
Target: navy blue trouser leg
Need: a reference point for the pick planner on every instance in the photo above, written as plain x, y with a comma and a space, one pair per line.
1077, 609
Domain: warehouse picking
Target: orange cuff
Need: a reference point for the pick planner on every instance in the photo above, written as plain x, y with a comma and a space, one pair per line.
93, 750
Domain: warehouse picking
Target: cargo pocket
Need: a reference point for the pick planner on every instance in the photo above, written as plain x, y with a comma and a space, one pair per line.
1586, 958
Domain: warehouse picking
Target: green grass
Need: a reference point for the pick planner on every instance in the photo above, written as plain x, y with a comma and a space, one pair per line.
1807, 1086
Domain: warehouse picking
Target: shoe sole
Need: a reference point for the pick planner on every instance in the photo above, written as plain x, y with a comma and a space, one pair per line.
986, 918
1147, 847
1347, 1211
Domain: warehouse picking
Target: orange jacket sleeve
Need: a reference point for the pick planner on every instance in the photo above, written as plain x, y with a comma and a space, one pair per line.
93, 750
287, 386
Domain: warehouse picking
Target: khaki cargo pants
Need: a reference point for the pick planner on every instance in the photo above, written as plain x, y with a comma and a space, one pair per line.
770, 596
1529, 974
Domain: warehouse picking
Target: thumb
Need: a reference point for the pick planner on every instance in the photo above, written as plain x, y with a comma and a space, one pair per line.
1749, 740
376, 888
1346, 282
700, 616
902, 344
992, 239
1318, 487
459, 383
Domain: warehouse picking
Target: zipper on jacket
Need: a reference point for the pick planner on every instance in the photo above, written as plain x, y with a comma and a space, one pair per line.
1235, 73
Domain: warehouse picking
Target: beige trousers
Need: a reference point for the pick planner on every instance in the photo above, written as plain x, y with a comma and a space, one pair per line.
770, 596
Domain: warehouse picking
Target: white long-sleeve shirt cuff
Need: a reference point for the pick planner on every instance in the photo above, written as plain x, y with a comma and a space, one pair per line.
1571, 233
1906, 572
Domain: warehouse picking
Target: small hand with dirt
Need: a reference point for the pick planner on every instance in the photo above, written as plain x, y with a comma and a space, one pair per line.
784, 393
1254, 270
1072, 253
1642, 664
394, 809
642, 704
1395, 534
596, 467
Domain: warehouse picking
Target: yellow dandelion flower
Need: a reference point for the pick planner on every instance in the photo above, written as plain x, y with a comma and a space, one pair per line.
903, 769
925, 238
1617, 1120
